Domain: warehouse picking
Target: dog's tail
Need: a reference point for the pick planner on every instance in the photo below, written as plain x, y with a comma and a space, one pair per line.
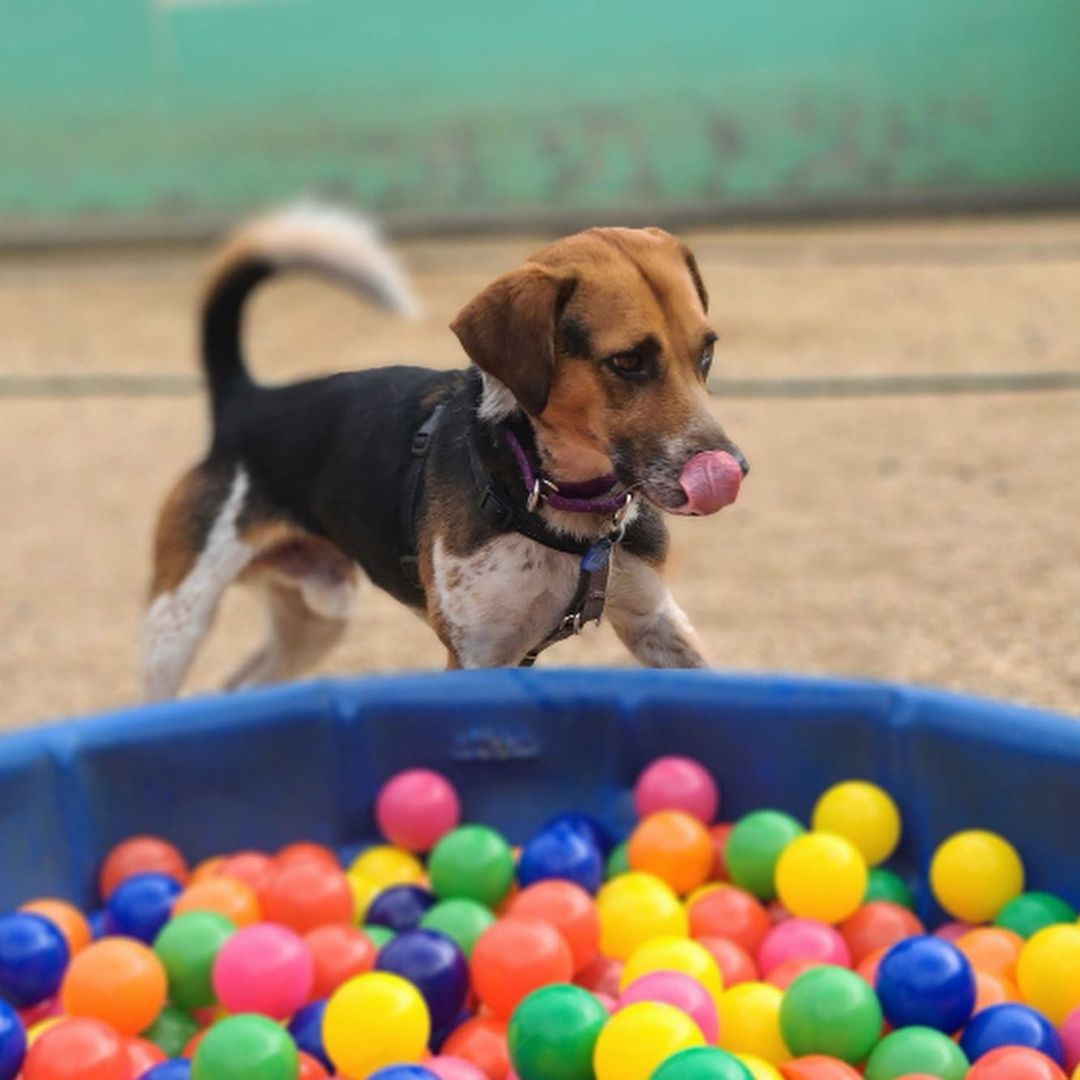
306, 236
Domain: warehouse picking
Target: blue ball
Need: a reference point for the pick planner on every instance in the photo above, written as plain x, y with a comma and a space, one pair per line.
404, 1072
177, 1069
927, 982
12, 1042
141, 905
589, 827
1010, 1024
434, 965
401, 907
97, 921
562, 851
33, 957
306, 1029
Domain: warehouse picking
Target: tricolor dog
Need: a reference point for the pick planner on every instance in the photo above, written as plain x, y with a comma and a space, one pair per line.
507, 504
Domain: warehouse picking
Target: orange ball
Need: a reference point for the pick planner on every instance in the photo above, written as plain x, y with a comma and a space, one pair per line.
208, 868
878, 924
735, 963
99, 1051
719, 835
675, 847
67, 918
482, 1043
731, 913
303, 852
868, 965
567, 907
993, 990
339, 952
118, 981
305, 894
226, 896
992, 949
513, 958
140, 855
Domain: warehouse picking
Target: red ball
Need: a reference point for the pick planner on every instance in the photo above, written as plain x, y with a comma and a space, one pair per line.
482, 1043
253, 868
339, 952
513, 958
735, 963
140, 855
143, 1055
719, 835
878, 925
731, 913
567, 907
304, 852
602, 975
310, 1069
818, 1067
1015, 1063
305, 894
88, 1049
783, 975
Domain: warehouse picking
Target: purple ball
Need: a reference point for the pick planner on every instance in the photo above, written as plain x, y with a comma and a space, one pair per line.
434, 965
401, 907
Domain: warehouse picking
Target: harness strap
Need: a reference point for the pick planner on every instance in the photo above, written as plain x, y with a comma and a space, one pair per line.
414, 488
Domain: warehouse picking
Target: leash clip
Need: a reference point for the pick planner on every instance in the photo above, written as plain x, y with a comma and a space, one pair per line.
618, 520
538, 493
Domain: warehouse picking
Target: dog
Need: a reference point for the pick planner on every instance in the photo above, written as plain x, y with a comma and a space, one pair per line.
508, 504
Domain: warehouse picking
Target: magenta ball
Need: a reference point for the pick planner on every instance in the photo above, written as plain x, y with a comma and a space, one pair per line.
453, 1068
685, 994
952, 931
417, 808
677, 783
1070, 1038
264, 969
802, 939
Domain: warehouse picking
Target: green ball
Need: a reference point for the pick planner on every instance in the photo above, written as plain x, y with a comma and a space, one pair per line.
187, 946
753, 847
831, 1011
618, 862
378, 935
702, 1063
916, 1050
246, 1047
473, 862
461, 920
172, 1030
1031, 912
553, 1033
887, 885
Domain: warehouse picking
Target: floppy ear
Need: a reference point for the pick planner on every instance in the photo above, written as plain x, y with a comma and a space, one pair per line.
695, 274
509, 331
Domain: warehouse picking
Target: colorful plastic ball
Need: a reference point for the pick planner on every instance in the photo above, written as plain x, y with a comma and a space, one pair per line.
176, 1069
953, 930
634, 908
140, 855
730, 912
882, 884
306, 894
863, 813
254, 868
188, 946
591, 828
562, 852
141, 905
926, 982
754, 846
819, 1067
878, 925
673, 846
310, 1068
831, 1011
674, 954
1048, 971
375, 1020
473, 862
67, 918
379, 935
171, 1030
702, 1063
681, 991
434, 965
515, 957
802, 939
305, 1027
225, 896
415, 809
306, 851
750, 1022
12, 1042
1070, 1038
453, 1068
482, 1043
677, 783
735, 963
118, 981
974, 874
385, 865
142, 1056
639, 1038
601, 975
79, 1047
567, 907
1011, 1025
461, 920
401, 907
1015, 1063
553, 1032
1031, 912
821, 876
263, 969
404, 1072
33, 957
783, 976
992, 949
993, 990
758, 1068
618, 861
245, 1047
916, 1050
338, 953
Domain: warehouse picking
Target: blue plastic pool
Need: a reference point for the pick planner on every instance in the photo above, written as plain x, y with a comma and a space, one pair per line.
304, 762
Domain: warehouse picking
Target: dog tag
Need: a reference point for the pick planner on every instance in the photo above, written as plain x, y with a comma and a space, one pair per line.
596, 558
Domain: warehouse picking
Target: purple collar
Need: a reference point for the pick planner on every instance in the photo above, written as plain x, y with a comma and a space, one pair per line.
596, 496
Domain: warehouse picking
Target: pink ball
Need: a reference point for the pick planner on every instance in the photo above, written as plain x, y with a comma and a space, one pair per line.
951, 931
264, 969
802, 939
675, 988
453, 1068
417, 808
1070, 1036
677, 783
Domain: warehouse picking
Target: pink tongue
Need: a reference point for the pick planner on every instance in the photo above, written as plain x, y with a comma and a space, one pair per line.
711, 482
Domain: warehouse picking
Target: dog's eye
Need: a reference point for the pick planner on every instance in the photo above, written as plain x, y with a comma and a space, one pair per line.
705, 363
628, 365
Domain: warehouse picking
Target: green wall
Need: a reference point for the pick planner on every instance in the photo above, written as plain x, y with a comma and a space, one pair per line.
455, 109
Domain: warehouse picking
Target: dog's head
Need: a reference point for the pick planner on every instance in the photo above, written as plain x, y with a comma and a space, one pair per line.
603, 339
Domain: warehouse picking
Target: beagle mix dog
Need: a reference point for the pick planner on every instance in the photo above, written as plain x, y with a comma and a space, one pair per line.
506, 504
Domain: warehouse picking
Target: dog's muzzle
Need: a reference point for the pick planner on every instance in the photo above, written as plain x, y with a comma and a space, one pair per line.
711, 481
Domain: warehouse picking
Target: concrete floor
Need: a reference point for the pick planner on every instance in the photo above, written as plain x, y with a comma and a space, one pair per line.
924, 538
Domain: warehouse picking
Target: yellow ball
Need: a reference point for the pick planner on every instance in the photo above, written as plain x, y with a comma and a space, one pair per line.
750, 1022
634, 908
974, 874
386, 866
758, 1069
675, 954
862, 813
637, 1039
1048, 971
364, 890
372, 1021
820, 875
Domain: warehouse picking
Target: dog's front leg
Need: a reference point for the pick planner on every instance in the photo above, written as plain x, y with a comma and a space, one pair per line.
645, 616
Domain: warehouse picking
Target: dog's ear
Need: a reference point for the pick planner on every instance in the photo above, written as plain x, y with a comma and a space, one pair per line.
509, 331
695, 275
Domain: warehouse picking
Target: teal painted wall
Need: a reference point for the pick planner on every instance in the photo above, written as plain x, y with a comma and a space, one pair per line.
444, 108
